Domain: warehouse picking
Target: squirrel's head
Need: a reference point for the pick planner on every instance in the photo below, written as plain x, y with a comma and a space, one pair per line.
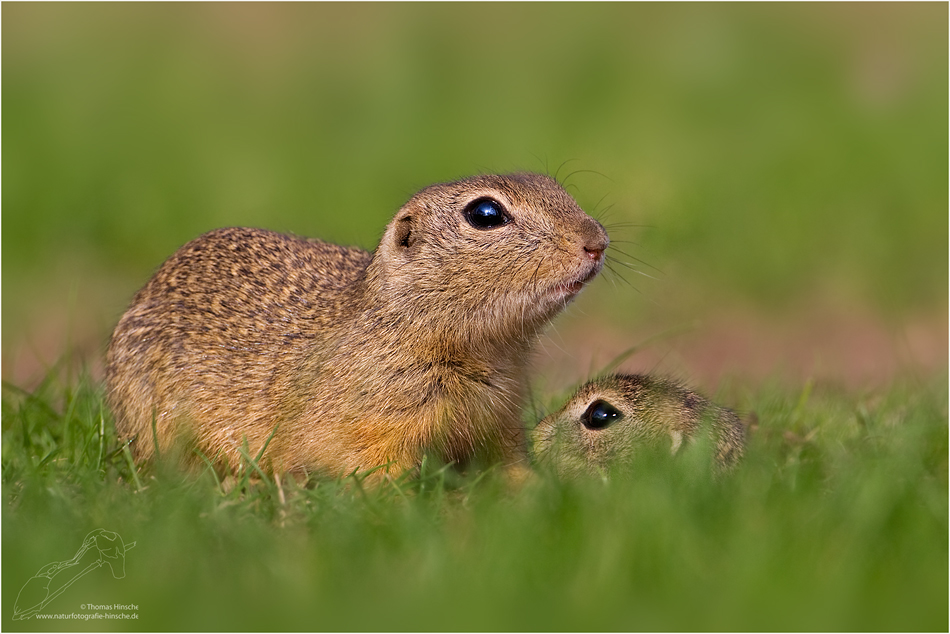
608, 421
498, 252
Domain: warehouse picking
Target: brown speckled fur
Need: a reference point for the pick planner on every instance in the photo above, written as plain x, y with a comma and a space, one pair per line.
654, 410
357, 359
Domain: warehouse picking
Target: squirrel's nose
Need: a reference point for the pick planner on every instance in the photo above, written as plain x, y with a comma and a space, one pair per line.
594, 253
594, 239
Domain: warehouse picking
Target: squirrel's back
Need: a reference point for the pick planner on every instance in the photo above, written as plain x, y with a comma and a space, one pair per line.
234, 302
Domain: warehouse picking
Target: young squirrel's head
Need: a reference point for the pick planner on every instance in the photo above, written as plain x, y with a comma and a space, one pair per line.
609, 420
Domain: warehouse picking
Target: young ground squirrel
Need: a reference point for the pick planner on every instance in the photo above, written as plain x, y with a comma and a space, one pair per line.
356, 359
606, 421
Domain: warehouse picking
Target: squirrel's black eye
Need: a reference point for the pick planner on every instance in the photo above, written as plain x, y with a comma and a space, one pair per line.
600, 414
486, 213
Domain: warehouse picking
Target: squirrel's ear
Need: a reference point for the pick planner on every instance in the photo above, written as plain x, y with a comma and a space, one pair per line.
402, 232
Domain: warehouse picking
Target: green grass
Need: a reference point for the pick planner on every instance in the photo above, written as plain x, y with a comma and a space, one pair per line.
837, 519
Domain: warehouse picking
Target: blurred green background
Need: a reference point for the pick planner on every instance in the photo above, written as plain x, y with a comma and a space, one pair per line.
768, 156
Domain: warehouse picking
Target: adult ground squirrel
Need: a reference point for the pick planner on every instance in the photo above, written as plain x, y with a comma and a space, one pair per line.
356, 359
607, 420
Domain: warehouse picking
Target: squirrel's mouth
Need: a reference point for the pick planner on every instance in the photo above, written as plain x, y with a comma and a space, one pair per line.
568, 290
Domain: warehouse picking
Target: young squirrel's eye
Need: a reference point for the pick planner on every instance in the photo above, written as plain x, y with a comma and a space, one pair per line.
600, 414
486, 213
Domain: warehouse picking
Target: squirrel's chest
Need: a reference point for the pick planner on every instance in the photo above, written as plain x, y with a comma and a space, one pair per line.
464, 410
